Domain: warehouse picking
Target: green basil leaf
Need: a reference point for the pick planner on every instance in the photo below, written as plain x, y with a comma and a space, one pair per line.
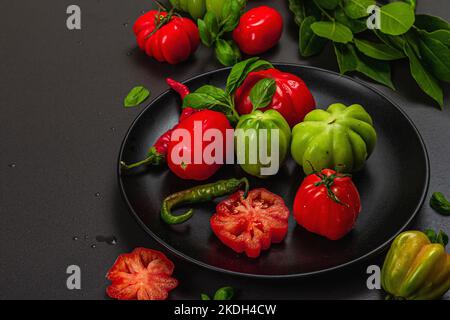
440, 238
201, 101
205, 35
413, 40
232, 13
396, 18
241, 70
431, 23
440, 35
227, 52
309, 43
212, 24
412, 3
215, 92
423, 78
356, 9
378, 51
349, 60
262, 93
436, 56
327, 4
334, 31
205, 297
225, 293
136, 96
356, 26
298, 9
439, 203
395, 42
345, 58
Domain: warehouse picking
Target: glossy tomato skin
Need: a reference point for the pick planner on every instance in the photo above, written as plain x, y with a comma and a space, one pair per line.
207, 119
318, 213
174, 42
259, 30
143, 274
251, 225
292, 98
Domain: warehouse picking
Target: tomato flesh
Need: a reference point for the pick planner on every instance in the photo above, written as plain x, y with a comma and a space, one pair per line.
251, 225
143, 274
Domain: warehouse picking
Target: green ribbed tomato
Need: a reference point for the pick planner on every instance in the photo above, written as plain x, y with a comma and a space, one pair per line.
252, 145
340, 138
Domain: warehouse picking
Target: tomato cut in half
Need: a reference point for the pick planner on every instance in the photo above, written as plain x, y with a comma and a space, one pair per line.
143, 274
251, 224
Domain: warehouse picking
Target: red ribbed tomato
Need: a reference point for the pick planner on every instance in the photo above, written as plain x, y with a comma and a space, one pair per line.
292, 98
327, 203
165, 37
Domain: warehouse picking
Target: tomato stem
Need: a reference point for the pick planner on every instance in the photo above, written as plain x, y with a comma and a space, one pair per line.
327, 182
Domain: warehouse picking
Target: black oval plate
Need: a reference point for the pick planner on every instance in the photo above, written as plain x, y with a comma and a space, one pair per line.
393, 186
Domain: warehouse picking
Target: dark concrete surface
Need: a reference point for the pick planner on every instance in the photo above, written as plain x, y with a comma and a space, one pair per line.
61, 126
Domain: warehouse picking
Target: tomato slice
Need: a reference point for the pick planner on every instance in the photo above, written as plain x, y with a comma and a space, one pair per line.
143, 274
251, 224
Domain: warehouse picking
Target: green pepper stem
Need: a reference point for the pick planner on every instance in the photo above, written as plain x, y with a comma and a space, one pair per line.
148, 160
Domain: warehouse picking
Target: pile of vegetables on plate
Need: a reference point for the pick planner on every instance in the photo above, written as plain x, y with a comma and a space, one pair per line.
395, 33
328, 144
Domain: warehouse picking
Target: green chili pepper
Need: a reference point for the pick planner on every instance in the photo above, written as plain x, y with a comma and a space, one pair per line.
439, 203
199, 194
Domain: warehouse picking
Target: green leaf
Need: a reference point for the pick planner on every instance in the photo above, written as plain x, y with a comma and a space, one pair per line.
215, 92
327, 4
240, 71
440, 204
201, 101
440, 35
298, 9
431, 23
349, 60
395, 42
378, 51
356, 26
205, 35
334, 31
232, 13
356, 9
440, 238
345, 58
227, 52
396, 18
423, 78
212, 24
262, 93
136, 96
205, 297
225, 293
436, 56
309, 43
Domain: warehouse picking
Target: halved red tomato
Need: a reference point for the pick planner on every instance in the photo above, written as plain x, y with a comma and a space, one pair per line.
143, 274
251, 224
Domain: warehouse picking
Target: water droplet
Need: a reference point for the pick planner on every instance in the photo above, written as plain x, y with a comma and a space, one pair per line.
12, 165
75, 238
129, 53
113, 129
125, 24
97, 194
93, 246
143, 11
111, 240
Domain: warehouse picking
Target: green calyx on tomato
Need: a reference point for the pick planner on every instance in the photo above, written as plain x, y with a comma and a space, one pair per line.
261, 153
415, 268
341, 138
